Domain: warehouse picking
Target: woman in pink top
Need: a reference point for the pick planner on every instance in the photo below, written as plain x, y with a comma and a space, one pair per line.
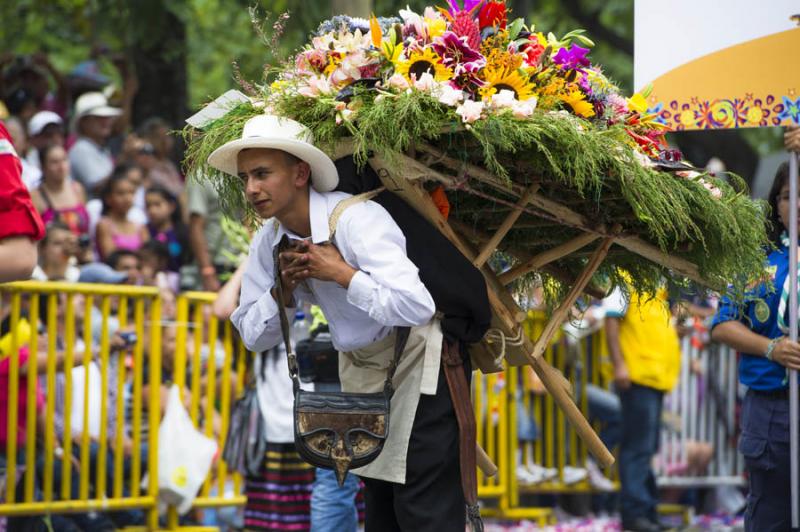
114, 231
60, 198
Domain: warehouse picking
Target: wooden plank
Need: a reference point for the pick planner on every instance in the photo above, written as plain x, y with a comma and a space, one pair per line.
546, 257
561, 313
561, 274
490, 246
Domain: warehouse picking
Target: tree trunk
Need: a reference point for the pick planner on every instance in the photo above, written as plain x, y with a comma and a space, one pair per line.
354, 8
159, 58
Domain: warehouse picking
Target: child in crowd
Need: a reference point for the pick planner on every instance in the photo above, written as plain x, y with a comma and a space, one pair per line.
126, 261
154, 258
165, 224
114, 230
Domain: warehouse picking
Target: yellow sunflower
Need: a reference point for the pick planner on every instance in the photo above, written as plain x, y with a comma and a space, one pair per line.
421, 61
506, 79
577, 100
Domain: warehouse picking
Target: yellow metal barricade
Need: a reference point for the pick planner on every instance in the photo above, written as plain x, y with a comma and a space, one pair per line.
209, 388
201, 355
50, 457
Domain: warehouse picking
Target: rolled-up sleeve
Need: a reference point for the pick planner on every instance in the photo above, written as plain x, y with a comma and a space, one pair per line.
727, 311
256, 318
387, 285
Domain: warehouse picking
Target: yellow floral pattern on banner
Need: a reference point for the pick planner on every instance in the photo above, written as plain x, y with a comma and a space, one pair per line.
746, 111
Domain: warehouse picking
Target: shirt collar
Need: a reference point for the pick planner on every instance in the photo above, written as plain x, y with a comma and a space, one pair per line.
318, 214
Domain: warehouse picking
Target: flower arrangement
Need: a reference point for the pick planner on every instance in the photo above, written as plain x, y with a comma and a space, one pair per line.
467, 86
471, 59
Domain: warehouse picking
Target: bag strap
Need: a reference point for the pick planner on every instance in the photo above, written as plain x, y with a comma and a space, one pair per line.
291, 356
452, 365
343, 205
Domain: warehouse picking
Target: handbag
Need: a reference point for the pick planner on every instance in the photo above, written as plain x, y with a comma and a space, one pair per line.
337, 430
246, 442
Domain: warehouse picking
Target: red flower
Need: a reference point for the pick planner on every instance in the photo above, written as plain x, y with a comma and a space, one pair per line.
493, 14
533, 50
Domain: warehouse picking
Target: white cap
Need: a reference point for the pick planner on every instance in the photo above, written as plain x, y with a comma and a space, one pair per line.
41, 120
93, 104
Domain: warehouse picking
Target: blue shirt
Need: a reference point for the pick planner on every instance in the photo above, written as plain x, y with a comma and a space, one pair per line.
760, 314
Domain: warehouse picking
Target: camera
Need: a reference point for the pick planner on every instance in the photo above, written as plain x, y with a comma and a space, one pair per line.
129, 337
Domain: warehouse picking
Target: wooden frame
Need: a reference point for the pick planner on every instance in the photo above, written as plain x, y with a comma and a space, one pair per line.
404, 176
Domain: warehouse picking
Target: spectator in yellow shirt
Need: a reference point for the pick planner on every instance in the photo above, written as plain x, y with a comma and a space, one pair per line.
644, 349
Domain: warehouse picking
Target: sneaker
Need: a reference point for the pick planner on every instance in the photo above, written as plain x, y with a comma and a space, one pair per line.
524, 476
596, 477
542, 474
573, 475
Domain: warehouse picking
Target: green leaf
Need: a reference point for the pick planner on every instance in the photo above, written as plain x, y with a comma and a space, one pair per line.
515, 28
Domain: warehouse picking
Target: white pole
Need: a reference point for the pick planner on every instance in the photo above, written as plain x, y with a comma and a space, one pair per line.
793, 389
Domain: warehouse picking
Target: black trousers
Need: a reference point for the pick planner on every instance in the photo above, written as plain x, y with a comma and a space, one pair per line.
765, 445
431, 499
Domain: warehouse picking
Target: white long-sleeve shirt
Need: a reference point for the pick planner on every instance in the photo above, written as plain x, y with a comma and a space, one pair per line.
384, 293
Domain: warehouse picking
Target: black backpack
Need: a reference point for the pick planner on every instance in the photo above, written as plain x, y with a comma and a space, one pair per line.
456, 285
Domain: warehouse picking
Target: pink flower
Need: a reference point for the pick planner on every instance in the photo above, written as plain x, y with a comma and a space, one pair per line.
317, 85
397, 81
425, 83
504, 98
524, 109
457, 55
470, 111
311, 61
714, 190
468, 5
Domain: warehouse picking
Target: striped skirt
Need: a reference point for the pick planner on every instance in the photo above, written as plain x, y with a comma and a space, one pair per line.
279, 498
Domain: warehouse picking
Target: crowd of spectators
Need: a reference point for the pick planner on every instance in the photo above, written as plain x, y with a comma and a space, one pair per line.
104, 185
117, 210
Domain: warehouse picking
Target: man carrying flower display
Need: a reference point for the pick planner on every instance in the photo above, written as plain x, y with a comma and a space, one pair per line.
365, 284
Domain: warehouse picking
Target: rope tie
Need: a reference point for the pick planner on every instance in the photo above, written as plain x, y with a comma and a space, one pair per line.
497, 335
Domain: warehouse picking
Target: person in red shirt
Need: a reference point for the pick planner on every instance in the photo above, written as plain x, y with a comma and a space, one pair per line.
20, 224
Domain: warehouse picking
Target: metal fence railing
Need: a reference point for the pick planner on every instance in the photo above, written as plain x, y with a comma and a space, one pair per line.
64, 451
82, 412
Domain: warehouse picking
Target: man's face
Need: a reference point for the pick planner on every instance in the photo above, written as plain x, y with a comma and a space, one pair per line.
51, 134
97, 127
272, 183
130, 265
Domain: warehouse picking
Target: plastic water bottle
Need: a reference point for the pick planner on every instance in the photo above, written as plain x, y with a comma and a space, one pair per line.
300, 327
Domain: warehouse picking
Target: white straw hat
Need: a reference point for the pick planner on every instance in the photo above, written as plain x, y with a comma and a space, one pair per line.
277, 133
93, 104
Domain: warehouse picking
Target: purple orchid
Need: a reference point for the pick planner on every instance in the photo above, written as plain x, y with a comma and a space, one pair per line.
585, 85
573, 58
457, 55
468, 5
